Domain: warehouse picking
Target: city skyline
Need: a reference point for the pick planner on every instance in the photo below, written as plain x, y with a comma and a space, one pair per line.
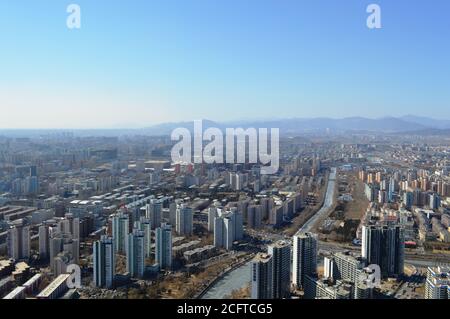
349, 216
140, 64
225, 157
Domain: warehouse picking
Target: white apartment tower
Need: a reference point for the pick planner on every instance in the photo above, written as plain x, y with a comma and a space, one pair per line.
304, 258
281, 267
120, 231
153, 212
136, 253
184, 220
104, 262
163, 249
261, 275
18, 239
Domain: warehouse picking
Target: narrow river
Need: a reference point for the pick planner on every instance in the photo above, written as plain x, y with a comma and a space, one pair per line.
236, 279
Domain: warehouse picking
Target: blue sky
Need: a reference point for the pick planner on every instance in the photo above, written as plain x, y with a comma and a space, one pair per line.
140, 62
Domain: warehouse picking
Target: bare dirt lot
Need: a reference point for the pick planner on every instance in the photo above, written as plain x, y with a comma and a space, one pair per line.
350, 205
243, 293
355, 209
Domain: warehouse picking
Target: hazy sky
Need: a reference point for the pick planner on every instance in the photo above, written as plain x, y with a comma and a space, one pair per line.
136, 63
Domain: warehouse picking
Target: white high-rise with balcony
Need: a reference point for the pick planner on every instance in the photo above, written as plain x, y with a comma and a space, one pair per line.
104, 262
304, 258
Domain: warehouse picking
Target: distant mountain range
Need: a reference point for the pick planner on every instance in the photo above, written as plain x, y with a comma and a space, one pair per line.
407, 123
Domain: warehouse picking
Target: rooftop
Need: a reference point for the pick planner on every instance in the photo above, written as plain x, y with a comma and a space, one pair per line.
53, 285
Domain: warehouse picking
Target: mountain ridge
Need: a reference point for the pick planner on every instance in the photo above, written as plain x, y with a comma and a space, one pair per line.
405, 124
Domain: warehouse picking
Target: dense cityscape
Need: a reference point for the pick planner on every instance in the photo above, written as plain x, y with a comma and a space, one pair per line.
205, 159
347, 216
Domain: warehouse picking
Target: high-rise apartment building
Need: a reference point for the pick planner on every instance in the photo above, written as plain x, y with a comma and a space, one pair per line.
350, 269
261, 275
104, 262
408, 199
184, 221
136, 253
437, 285
254, 216
120, 231
276, 216
173, 213
304, 258
228, 227
212, 214
281, 266
145, 226
153, 212
163, 249
64, 247
266, 206
18, 239
347, 266
44, 242
223, 232
384, 245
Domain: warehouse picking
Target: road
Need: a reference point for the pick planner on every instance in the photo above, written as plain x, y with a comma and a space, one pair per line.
419, 260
